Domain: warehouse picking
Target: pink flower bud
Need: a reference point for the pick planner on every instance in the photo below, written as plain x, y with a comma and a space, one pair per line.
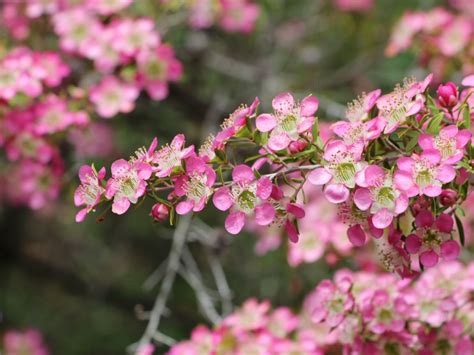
160, 212
448, 197
297, 146
448, 94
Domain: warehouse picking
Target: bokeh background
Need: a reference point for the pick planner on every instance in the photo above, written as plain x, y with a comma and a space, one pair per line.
85, 285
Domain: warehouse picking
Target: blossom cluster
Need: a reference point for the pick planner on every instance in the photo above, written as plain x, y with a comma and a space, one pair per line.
442, 39
45, 102
28, 342
397, 170
230, 15
355, 313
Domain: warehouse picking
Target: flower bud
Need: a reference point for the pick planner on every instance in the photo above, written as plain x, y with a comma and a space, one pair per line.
448, 94
297, 146
160, 212
448, 197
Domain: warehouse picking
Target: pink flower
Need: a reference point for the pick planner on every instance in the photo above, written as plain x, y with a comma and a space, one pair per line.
402, 103
246, 196
127, 184
29, 145
235, 123
432, 239
330, 302
289, 120
379, 195
77, 29
155, 68
135, 35
455, 36
104, 54
196, 185
449, 143
251, 316
340, 167
202, 13
171, 156
55, 69
29, 342
90, 191
238, 15
38, 184
423, 174
448, 94
404, 31
112, 96
53, 116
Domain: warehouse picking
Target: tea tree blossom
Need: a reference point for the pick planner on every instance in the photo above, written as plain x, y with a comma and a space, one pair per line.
289, 120
127, 184
449, 143
112, 96
90, 191
340, 167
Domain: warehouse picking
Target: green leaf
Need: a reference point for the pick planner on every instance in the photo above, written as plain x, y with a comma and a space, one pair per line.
435, 123
466, 118
412, 143
460, 229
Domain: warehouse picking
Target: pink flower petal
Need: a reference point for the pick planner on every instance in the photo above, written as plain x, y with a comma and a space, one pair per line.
336, 193
374, 175
363, 199
356, 235
184, 207
234, 222
426, 141
222, 199
291, 231
319, 176
296, 210
278, 141
424, 219
468, 80
283, 102
432, 190
429, 258
309, 105
264, 188
450, 250
265, 122
413, 244
264, 214
243, 173
382, 219
120, 206
444, 223
445, 173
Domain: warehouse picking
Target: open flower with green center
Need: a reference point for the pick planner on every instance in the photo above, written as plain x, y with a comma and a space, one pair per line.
450, 143
246, 196
330, 302
90, 191
170, 157
340, 166
156, 67
379, 195
403, 102
423, 174
289, 121
127, 184
196, 185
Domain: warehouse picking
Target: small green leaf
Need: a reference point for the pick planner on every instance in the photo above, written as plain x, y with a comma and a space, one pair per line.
412, 143
435, 123
466, 118
460, 229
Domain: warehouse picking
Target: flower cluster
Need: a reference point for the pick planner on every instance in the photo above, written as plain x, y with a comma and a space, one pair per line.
356, 313
230, 15
28, 342
42, 97
396, 170
442, 38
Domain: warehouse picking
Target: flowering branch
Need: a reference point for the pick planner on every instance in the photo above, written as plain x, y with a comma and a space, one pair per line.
397, 169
